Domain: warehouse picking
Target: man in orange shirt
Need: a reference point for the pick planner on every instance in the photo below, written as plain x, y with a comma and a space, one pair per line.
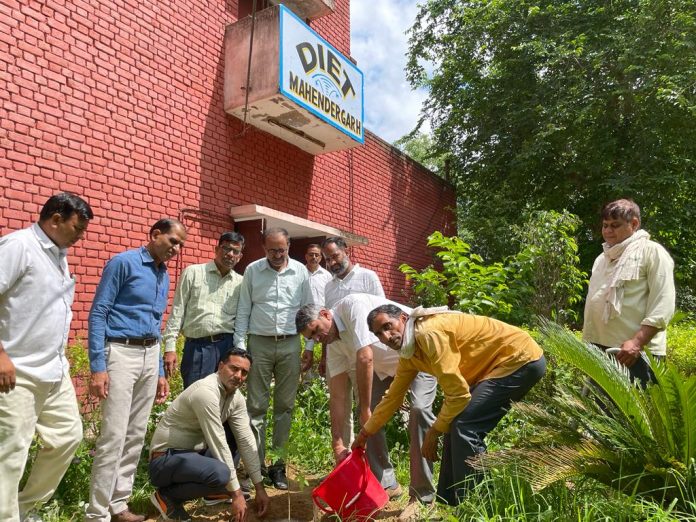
481, 364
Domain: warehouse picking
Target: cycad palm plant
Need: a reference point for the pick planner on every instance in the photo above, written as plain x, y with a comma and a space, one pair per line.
638, 440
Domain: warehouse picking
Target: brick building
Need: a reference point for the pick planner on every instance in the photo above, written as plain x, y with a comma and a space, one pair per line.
121, 102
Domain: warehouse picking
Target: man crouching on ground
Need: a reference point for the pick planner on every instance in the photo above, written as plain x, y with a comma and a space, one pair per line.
481, 364
190, 458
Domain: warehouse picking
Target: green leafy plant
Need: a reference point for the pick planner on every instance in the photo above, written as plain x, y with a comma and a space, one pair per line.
638, 442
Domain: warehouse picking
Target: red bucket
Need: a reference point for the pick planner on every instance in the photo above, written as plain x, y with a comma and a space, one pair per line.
351, 490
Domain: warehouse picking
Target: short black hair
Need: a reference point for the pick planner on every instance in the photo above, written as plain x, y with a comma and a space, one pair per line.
65, 204
164, 225
231, 237
391, 310
336, 240
313, 245
276, 230
623, 209
236, 352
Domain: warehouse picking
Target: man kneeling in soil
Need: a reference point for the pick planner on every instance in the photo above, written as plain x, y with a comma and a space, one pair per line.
481, 364
190, 458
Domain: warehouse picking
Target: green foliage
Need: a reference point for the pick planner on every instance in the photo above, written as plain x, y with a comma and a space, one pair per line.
310, 436
681, 346
542, 279
421, 148
639, 441
552, 104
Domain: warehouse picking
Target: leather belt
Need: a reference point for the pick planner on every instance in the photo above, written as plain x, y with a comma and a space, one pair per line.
278, 337
134, 341
157, 454
209, 338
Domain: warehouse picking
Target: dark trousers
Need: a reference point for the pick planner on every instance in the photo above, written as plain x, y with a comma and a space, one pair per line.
490, 401
182, 475
202, 356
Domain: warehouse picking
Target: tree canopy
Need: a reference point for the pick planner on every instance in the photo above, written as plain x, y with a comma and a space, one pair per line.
556, 104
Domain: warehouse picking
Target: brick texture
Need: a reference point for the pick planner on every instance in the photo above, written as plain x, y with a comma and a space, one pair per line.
120, 101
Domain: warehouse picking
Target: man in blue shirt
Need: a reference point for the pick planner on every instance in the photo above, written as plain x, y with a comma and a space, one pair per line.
127, 373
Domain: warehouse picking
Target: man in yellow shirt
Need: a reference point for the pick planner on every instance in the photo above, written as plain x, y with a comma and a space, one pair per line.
481, 364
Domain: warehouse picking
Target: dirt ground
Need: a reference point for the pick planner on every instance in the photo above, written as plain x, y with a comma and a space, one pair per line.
301, 507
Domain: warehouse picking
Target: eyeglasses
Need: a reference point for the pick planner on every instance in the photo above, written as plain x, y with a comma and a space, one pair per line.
276, 251
228, 249
313, 255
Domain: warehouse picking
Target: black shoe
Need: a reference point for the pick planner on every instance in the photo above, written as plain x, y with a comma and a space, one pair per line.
266, 479
169, 509
278, 477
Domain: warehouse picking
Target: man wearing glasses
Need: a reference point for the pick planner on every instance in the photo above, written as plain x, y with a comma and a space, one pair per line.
204, 310
318, 277
274, 288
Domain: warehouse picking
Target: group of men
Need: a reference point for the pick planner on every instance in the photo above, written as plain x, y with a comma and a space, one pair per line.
245, 330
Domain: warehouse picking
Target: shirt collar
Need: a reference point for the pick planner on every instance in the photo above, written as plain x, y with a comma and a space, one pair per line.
349, 275
267, 266
148, 259
46, 242
212, 267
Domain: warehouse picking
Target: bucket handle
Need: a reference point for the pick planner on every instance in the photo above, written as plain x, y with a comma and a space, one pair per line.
326, 508
361, 454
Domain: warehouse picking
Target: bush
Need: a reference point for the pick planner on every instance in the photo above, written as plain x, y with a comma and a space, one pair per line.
681, 346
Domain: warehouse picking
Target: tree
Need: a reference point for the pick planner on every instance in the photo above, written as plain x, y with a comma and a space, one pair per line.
553, 104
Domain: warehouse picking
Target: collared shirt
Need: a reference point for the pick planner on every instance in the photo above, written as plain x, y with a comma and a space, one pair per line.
460, 350
195, 421
129, 302
648, 300
269, 299
36, 295
317, 282
205, 303
350, 316
358, 281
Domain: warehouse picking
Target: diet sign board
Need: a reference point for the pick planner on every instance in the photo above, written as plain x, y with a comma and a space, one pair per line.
319, 78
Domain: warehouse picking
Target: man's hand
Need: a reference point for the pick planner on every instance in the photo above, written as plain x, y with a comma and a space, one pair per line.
630, 353
360, 441
239, 507
307, 360
162, 390
8, 375
430, 443
340, 453
322, 362
169, 364
261, 499
99, 385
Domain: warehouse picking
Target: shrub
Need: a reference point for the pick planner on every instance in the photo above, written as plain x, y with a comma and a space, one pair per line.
681, 346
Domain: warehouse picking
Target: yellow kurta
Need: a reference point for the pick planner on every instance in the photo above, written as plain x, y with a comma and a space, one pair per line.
460, 350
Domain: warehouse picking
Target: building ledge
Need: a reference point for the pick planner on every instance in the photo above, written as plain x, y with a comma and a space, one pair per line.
297, 227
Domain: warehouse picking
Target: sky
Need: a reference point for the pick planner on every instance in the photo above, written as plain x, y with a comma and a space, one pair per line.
379, 44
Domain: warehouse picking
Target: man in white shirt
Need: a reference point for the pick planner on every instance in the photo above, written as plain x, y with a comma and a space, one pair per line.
318, 277
361, 354
273, 289
189, 457
36, 392
631, 296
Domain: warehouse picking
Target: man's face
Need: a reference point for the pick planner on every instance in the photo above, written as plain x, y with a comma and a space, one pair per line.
337, 261
614, 231
227, 255
166, 245
66, 232
322, 330
233, 372
389, 330
313, 257
276, 247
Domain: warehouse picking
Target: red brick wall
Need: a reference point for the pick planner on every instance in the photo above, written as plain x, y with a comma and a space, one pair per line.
120, 101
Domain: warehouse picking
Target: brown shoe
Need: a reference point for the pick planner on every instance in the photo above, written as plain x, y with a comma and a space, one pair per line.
394, 492
127, 516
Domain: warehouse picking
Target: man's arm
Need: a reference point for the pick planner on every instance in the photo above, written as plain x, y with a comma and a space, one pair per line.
241, 322
175, 321
14, 264
337, 409
363, 374
104, 299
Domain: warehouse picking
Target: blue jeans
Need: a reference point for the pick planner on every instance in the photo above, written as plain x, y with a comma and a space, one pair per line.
490, 401
201, 357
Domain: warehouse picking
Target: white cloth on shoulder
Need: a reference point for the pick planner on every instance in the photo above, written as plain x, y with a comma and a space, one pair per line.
408, 343
628, 256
